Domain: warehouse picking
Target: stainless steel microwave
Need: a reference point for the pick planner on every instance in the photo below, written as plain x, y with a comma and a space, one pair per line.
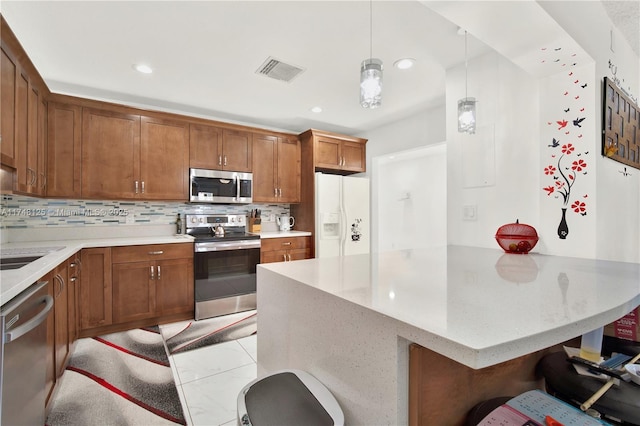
218, 186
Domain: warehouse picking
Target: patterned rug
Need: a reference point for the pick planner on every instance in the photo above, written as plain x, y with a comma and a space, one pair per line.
189, 335
118, 379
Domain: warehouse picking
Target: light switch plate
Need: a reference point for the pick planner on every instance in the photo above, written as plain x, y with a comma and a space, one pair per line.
470, 212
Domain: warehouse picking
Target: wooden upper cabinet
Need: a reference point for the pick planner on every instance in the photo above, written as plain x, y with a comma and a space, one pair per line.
333, 153
205, 147
110, 154
213, 148
164, 159
64, 150
288, 170
264, 167
276, 169
8, 72
237, 150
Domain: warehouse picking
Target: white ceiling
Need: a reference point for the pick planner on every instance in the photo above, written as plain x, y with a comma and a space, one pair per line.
205, 54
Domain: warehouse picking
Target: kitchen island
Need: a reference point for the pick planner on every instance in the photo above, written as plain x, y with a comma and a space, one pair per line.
352, 321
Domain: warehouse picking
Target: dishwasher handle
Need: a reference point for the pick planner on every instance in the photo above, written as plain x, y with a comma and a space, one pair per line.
32, 323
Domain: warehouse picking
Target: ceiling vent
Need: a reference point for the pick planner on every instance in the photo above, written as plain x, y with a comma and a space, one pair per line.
278, 70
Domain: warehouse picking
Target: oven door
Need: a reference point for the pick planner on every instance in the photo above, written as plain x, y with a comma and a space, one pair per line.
225, 278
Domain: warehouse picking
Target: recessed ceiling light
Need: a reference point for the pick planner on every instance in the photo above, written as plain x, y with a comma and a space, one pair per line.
405, 63
316, 109
145, 69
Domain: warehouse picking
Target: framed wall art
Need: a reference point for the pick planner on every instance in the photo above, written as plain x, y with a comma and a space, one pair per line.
621, 126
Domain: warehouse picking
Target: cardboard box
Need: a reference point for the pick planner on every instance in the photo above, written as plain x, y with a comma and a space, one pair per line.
627, 327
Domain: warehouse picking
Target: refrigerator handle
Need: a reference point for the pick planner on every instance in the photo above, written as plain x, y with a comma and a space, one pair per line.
20, 331
343, 220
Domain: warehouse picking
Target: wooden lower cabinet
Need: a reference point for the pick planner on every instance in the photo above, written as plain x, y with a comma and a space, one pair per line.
285, 249
95, 298
152, 280
127, 286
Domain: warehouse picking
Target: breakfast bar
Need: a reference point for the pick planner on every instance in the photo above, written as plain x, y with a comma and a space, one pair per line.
360, 323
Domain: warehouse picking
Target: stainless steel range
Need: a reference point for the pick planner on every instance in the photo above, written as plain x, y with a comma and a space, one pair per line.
225, 262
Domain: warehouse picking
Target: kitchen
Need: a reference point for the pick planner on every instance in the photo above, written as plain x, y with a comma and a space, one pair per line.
409, 133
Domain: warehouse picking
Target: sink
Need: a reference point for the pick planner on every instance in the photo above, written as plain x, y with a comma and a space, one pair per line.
16, 262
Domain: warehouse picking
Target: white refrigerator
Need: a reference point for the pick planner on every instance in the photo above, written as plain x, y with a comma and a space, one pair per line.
342, 215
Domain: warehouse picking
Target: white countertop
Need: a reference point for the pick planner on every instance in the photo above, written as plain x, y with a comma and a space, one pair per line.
477, 306
284, 234
12, 282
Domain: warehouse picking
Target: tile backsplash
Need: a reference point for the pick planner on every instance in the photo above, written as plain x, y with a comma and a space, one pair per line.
26, 212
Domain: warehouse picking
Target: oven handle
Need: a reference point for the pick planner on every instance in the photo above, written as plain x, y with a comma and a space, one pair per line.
231, 245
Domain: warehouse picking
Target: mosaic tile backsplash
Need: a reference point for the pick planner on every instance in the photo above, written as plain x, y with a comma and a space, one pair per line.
27, 212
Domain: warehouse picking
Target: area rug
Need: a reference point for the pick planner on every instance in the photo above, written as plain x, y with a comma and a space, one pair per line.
118, 379
189, 335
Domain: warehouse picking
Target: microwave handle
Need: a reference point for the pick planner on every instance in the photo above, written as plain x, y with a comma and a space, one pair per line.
238, 188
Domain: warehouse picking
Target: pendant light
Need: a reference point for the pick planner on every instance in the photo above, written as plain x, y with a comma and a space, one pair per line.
371, 73
467, 105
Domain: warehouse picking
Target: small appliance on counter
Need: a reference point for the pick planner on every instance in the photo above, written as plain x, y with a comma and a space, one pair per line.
285, 222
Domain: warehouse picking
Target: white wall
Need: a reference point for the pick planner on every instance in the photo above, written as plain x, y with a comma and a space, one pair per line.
412, 191
420, 169
494, 170
617, 228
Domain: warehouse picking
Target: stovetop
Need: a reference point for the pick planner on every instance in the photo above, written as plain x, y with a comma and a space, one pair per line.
202, 227
206, 237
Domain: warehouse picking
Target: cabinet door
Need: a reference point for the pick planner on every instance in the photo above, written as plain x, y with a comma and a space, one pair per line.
74, 272
8, 73
64, 155
174, 286
61, 314
205, 147
264, 168
353, 156
288, 171
23, 176
110, 154
274, 256
164, 159
42, 146
133, 291
327, 153
299, 254
95, 298
236, 150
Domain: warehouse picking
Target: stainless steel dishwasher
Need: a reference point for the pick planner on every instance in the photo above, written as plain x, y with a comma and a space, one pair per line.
23, 323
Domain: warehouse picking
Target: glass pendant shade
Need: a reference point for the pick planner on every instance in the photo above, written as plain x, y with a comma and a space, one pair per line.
371, 83
467, 115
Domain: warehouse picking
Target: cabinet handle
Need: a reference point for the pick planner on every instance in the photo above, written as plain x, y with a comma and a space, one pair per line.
136, 187
34, 177
158, 271
61, 282
279, 192
220, 160
275, 192
73, 279
143, 187
287, 243
157, 252
285, 257
225, 160
153, 277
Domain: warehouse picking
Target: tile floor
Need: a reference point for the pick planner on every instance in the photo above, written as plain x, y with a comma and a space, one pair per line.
209, 380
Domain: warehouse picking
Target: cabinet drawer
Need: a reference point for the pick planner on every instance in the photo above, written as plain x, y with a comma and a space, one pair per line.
126, 254
288, 243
